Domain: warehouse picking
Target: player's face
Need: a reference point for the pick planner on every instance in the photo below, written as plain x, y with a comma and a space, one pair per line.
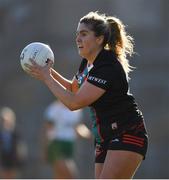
87, 43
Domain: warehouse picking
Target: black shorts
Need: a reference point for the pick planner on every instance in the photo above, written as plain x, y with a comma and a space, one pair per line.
133, 139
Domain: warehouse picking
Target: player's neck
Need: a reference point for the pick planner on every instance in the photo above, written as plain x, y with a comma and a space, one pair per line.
92, 58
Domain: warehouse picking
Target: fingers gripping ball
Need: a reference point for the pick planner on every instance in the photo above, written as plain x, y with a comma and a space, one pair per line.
39, 52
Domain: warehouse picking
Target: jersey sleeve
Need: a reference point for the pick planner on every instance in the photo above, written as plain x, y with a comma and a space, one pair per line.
103, 77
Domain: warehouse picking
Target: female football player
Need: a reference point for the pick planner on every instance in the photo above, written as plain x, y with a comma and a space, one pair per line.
102, 84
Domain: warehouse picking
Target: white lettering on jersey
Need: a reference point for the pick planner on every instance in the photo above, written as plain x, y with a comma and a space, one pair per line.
100, 81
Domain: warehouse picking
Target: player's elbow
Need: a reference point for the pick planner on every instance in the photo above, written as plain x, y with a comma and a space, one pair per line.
75, 106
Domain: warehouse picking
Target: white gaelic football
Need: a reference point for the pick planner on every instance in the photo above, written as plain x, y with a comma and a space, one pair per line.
37, 51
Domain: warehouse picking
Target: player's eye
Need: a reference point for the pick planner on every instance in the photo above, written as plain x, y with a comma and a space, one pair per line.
83, 34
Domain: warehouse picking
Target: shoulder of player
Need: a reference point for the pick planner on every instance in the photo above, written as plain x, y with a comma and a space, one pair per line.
105, 58
104, 67
107, 69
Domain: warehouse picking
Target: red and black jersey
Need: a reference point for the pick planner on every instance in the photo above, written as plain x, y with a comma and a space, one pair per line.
116, 105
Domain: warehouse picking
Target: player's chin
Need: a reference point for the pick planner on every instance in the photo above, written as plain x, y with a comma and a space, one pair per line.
81, 53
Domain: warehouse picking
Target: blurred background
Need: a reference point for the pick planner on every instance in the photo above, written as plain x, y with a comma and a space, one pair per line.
55, 22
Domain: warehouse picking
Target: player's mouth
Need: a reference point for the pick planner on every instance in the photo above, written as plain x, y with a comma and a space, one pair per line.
79, 46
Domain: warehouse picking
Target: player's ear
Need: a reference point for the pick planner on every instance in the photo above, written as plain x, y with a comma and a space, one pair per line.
100, 39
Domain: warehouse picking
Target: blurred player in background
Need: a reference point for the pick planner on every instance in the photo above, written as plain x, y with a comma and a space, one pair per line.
60, 132
118, 125
9, 140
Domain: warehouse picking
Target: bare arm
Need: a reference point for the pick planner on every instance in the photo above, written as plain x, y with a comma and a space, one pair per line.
83, 131
63, 81
69, 85
75, 99
86, 95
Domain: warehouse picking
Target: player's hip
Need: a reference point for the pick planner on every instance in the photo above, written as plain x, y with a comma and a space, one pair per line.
134, 138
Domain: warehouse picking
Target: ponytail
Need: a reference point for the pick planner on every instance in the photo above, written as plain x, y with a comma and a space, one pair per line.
119, 42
